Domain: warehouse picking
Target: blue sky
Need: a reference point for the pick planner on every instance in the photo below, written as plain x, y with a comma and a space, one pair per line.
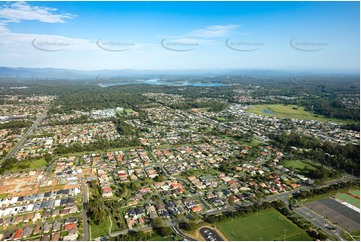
181, 35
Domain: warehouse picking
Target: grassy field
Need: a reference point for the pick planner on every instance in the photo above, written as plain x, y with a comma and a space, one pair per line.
265, 225
127, 110
291, 111
251, 142
52, 188
29, 165
4, 195
298, 165
101, 229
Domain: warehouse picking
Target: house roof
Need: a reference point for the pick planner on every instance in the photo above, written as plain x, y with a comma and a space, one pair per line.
70, 226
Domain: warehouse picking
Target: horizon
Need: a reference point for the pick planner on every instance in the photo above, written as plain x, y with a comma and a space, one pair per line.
181, 36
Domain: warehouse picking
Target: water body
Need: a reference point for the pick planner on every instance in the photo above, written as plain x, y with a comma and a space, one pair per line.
266, 111
166, 83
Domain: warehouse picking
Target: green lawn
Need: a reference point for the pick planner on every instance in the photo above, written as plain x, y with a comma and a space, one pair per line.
265, 225
298, 165
4, 195
159, 238
29, 165
127, 110
101, 229
353, 236
291, 111
221, 119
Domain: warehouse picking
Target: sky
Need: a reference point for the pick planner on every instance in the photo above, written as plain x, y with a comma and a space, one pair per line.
181, 35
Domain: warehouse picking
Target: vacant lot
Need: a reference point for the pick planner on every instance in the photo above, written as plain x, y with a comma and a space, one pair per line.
290, 111
299, 165
265, 225
29, 165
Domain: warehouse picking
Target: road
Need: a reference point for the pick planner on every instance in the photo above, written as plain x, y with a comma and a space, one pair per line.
309, 215
221, 210
114, 181
84, 215
284, 195
318, 221
23, 139
203, 202
178, 232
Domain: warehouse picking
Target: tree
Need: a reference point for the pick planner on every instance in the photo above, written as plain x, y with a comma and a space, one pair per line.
158, 222
166, 231
48, 157
96, 210
160, 178
184, 226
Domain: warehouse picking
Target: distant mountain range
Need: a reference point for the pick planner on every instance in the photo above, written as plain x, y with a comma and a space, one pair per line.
54, 73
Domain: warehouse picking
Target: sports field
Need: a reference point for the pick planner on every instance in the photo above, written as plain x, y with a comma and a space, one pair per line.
290, 111
265, 225
352, 197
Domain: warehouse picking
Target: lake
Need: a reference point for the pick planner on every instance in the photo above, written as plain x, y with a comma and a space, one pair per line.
166, 83
266, 111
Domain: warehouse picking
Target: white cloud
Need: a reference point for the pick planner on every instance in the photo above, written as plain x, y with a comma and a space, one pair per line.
20, 11
32, 42
213, 31
19, 42
3, 28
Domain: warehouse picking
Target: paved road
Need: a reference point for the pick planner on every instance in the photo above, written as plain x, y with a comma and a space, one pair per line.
165, 173
114, 181
283, 196
223, 209
177, 231
23, 139
203, 202
84, 215
318, 221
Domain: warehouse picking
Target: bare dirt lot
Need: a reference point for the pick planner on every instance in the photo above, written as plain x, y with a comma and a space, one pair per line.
19, 186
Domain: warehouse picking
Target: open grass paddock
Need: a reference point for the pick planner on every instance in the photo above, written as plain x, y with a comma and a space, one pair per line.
265, 225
